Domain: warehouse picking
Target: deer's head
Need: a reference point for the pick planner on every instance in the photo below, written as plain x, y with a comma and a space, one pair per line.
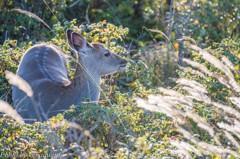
95, 57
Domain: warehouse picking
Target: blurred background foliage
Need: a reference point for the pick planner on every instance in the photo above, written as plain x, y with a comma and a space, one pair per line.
153, 35
205, 21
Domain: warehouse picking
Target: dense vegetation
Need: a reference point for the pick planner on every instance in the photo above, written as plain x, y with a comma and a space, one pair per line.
179, 97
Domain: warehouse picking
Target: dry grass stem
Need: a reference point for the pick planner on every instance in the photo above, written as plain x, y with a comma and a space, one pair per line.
227, 109
201, 122
187, 134
170, 92
193, 71
179, 101
217, 150
19, 82
202, 68
186, 146
232, 139
231, 128
236, 101
196, 95
228, 63
193, 84
199, 66
30, 14
9, 111
154, 108
158, 104
219, 65
182, 151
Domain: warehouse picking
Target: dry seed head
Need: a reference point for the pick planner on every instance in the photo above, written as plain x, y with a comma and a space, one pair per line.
231, 128
19, 82
9, 111
232, 139
219, 65
235, 100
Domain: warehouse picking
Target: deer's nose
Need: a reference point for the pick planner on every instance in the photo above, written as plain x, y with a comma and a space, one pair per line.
124, 62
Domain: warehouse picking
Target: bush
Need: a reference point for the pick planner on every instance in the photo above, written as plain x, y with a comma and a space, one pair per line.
29, 140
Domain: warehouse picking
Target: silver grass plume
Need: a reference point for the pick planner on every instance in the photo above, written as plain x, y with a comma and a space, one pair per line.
19, 82
9, 111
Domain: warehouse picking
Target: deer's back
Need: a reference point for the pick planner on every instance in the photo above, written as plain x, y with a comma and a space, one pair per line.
43, 67
43, 61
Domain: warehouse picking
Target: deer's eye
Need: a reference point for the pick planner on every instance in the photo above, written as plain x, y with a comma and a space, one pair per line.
107, 54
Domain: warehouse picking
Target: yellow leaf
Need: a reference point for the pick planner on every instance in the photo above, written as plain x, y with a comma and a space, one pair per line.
95, 39
104, 39
176, 46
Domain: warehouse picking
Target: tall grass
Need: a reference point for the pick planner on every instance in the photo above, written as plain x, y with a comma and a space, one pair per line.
209, 126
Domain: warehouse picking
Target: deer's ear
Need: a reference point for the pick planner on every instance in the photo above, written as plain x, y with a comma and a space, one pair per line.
69, 37
76, 41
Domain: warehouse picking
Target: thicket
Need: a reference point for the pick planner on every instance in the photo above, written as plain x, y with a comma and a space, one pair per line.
190, 110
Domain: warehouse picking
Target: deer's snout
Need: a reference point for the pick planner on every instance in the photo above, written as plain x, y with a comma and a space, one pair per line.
123, 64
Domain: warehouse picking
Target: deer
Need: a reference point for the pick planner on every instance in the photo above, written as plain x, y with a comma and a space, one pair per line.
43, 67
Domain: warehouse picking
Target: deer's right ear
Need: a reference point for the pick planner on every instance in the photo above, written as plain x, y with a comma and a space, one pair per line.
76, 41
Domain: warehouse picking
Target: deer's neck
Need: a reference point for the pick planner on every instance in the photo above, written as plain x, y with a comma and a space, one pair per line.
85, 85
